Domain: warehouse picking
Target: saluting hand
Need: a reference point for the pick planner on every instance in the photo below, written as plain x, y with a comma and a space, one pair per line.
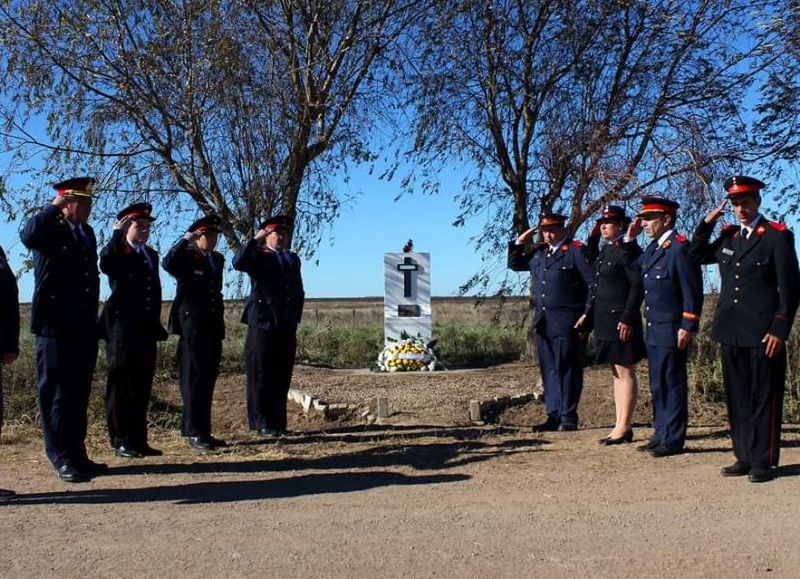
260, 234
635, 228
684, 338
774, 345
715, 213
121, 223
595, 232
61, 200
625, 331
191, 236
526, 236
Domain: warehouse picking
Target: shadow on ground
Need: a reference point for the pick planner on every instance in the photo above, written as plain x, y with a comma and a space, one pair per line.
236, 491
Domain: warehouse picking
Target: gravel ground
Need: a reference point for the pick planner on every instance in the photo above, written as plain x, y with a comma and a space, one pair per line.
423, 495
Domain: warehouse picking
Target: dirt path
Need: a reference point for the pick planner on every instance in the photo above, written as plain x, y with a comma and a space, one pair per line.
405, 501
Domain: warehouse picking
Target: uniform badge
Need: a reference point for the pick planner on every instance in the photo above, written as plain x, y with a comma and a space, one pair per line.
565, 247
727, 251
760, 230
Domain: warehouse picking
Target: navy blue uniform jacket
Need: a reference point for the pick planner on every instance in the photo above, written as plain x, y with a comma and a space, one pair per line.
198, 309
563, 284
276, 289
67, 290
134, 308
673, 290
760, 281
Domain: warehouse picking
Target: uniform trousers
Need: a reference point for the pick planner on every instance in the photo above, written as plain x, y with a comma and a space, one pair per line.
131, 365
669, 390
64, 369
270, 361
754, 385
561, 362
198, 367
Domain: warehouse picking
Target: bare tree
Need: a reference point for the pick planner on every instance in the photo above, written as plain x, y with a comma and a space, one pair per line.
567, 105
243, 108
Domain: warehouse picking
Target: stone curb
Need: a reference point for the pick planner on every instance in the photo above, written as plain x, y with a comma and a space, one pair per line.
313, 404
480, 411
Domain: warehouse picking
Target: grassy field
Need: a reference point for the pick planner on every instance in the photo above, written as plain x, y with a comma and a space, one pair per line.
326, 339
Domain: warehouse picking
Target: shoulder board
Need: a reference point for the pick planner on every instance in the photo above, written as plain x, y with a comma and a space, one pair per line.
680, 238
577, 243
778, 226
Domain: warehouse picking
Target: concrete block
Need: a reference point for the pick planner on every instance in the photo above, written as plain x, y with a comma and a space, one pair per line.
383, 407
475, 414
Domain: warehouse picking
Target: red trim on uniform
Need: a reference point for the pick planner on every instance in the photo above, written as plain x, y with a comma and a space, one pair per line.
777, 226
656, 207
565, 247
780, 317
741, 189
577, 243
137, 214
773, 431
690, 316
680, 238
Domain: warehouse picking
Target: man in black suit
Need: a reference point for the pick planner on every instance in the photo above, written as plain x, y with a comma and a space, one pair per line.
564, 285
9, 333
64, 320
272, 313
757, 304
197, 316
131, 325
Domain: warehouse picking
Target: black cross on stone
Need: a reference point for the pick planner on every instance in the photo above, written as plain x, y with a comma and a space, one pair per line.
407, 267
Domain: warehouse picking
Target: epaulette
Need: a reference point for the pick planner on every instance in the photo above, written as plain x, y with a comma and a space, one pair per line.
777, 226
577, 243
680, 238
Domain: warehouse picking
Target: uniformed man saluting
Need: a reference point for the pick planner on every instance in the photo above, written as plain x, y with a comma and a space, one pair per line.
272, 314
131, 327
64, 320
197, 316
564, 283
757, 304
673, 300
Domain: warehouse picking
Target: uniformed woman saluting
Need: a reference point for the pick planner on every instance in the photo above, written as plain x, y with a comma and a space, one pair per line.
616, 315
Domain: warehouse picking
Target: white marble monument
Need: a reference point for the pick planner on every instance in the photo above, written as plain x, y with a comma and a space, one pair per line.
407, 299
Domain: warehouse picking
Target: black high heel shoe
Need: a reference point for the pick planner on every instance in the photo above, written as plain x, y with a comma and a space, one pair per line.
624, 439
603, 440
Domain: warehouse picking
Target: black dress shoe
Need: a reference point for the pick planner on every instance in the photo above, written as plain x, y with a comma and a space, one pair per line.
201, 443
268, 432
69, 473
738, 468
624, 439
217, 442
127, 452
648, 446
546, 426
567, 427
661, 451
147, 450
6, 495
92, 467
759, 475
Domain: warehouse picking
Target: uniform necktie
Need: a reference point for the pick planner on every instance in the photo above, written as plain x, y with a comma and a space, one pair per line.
81, 236
745, 232
143, 252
